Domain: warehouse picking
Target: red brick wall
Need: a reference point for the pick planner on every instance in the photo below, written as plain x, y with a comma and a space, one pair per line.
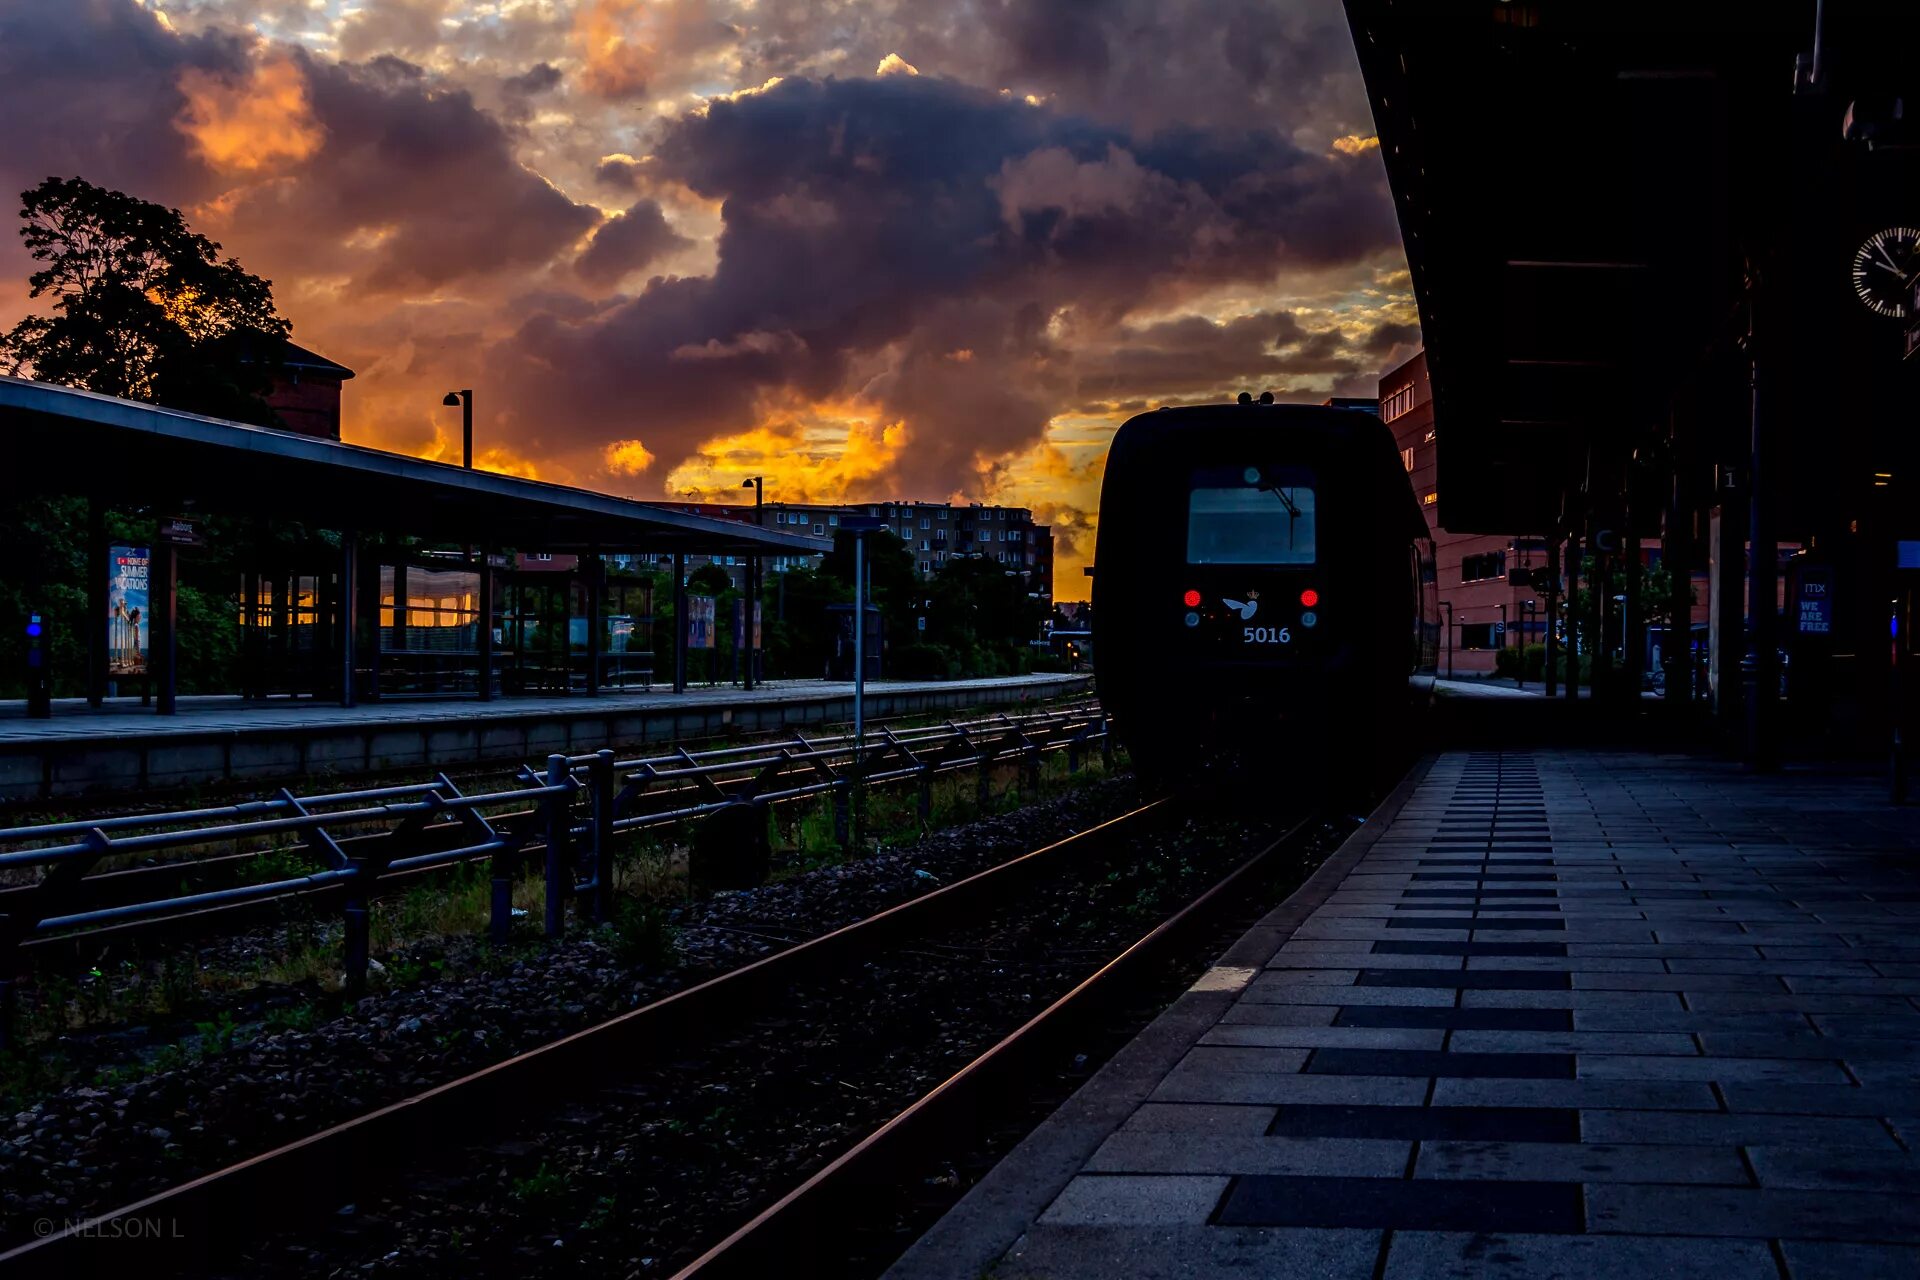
307, 402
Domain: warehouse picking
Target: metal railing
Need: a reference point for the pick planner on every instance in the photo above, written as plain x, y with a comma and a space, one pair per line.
571, 811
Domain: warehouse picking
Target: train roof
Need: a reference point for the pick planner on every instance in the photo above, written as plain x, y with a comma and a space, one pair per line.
1360, 430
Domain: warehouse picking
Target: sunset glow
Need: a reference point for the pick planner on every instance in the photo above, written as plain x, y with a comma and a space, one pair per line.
904, 249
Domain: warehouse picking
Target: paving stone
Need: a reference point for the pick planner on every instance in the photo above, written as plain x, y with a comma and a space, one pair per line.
1230, 1086
1724, 1070
1186, 1252
1261, 992
1758, 1214
1197, 1118
1842, 1169
1242, 1058
1830, 1260
1280, 1015
1481, 1124
1818, 1100
1801, 1043
1401, 1205
1580, 1042
1485, 980
1236, 1154
1097, 1200
1733, 1129
1470, 949
1686, 1020
1649, 1095
1330, 1037
1458, 1019
1424, 1255
1654, 1000
1408, 1062
1580, 1162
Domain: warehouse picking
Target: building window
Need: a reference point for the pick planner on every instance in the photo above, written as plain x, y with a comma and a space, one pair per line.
1476, 635
925, 522
943, 515
1481, 568
1406, 458
819, 530
1396, 403
925, 567
1433, 496
834, 521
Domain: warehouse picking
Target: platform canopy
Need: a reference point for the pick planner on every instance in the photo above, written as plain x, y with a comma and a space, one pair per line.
1583, 187
60, 440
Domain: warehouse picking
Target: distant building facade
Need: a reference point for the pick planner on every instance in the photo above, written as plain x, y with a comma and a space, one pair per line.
933, 533
1486, 607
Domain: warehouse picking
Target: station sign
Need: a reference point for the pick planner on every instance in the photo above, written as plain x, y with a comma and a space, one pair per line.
182, 531
129, 610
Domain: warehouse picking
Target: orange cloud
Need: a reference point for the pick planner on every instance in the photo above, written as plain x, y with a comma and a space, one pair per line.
1353, 144
628, 457
809, 451
260, 121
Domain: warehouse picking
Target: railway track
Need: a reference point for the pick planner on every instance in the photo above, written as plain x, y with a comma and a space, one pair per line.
586, 1079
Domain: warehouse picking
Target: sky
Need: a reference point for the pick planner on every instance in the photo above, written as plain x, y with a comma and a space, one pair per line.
870, 249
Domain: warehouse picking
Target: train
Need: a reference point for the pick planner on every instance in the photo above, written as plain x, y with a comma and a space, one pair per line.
1263, 589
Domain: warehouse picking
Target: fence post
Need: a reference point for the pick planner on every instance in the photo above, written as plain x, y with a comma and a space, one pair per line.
1106, 744
984, 793
842, 824
559, 835
603, 796
926, 795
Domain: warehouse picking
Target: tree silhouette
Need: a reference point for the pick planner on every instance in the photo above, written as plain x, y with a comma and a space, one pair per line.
143, 306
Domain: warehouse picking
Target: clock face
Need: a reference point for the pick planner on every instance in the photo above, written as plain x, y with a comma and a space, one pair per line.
1882, 268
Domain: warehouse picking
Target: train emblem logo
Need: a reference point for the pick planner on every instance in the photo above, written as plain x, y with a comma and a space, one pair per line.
1245, 608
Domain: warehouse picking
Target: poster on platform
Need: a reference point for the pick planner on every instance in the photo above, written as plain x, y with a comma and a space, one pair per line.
129, 611
700, 618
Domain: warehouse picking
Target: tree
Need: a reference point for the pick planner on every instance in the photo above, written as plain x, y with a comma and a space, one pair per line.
144, 307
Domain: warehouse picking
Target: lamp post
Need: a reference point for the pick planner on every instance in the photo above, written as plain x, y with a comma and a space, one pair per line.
753, 585
1526, 608
464, 399
1448, 606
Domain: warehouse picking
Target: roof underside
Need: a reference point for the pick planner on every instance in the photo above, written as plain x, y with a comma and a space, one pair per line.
57, 440
1568, 178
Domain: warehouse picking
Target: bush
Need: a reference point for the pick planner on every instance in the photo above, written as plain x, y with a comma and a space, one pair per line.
1534, 661
1506, 662
920, 661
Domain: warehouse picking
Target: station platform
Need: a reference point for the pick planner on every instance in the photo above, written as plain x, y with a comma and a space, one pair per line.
213, 740
1547, 1013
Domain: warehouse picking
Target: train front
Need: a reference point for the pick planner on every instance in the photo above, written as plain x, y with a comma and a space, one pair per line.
1224, 616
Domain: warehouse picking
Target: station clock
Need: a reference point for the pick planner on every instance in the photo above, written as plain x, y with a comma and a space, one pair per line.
1883, 269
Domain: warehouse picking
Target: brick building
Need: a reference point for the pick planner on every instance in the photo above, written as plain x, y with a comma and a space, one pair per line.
1483, 604
306, 392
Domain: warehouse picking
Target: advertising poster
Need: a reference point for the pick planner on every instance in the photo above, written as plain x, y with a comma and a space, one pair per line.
128, 610
700, 617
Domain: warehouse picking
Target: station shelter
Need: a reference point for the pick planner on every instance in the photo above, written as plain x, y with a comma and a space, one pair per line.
1664, 257
366, 575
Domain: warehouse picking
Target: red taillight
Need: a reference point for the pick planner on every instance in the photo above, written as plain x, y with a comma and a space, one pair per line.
1192, 599
1309, 598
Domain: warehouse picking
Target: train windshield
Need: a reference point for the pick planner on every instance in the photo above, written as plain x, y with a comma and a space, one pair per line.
1250, 516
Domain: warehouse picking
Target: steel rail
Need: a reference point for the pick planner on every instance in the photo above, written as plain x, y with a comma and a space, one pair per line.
784, 1238
211, 1218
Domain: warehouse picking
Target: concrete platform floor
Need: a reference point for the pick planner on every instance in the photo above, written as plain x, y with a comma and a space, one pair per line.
1553, 1013
73, 718
127, 750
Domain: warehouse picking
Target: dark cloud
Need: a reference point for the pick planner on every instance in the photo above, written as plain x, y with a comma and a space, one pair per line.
629, 242
539, 78
913, 240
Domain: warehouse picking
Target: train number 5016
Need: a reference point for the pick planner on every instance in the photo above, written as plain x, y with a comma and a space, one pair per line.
1265, 635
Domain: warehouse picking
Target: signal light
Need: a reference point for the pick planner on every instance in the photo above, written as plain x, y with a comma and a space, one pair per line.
1191, 599
1309, 598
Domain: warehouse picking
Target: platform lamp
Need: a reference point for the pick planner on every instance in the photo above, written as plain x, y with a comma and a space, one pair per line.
753, 578
464, 399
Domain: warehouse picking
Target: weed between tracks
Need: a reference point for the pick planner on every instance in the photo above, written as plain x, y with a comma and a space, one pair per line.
638, 1180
